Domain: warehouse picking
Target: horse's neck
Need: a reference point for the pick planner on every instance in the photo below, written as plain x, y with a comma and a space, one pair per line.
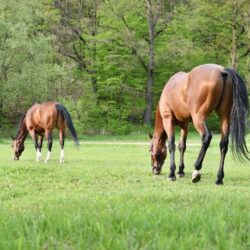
159, 131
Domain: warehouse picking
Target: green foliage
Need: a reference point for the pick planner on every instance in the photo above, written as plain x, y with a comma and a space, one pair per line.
93, 55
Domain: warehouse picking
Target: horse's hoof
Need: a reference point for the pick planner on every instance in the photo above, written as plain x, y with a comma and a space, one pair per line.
219, 182
171, 178
181, 175
196, 176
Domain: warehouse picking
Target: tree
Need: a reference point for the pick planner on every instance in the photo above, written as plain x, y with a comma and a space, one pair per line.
77, 32
27, 60
155, 17
240, 21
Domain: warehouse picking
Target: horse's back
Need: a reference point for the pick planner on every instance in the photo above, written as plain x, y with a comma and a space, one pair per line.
44, 116
48, 108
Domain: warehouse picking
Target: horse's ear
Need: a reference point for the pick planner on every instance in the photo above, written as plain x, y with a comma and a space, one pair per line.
150, 135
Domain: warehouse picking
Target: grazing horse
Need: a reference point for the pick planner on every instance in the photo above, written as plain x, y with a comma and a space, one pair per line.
192, 97
41, 119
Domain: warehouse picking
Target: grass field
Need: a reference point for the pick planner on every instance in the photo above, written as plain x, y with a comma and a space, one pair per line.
105, 197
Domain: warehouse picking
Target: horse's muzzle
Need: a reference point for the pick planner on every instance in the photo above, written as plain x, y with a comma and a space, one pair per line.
16, 158
156, 170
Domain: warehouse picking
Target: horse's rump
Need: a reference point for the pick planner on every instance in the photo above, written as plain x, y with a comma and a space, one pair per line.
205, 88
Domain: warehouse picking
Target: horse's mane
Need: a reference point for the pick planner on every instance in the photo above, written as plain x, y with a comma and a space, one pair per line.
20, 125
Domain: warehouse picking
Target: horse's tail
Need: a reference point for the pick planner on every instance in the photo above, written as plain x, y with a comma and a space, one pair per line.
239, 116
64, 112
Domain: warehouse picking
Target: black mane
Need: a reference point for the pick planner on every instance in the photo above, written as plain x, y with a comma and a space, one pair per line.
19, 125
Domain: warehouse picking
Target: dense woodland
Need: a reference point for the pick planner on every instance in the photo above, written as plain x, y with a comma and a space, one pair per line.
108, 60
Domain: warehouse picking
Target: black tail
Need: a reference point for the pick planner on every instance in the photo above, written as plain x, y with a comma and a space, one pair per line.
64, 112
239, 116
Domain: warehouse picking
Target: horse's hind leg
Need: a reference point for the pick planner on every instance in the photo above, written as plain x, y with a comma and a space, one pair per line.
182, 149
223, 149
61, 138
48, 135
201, 126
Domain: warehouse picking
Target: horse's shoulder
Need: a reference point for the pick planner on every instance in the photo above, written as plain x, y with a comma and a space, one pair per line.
179, 74
176, 78
33, 107
206, 68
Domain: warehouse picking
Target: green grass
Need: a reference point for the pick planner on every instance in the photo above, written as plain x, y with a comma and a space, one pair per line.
105, 197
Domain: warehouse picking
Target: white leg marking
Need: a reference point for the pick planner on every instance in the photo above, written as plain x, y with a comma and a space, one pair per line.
62, 156
48, 157
38, 155
195, 173
196, 176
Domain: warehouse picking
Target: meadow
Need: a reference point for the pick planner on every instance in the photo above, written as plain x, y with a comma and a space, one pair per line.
105, 197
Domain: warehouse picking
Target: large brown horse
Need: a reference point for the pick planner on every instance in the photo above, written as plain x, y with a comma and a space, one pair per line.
192, 97
41, 119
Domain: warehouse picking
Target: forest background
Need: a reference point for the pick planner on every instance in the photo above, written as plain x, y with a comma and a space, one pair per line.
108, 60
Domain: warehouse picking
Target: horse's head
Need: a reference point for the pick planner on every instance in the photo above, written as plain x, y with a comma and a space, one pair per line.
18, 148
158, 150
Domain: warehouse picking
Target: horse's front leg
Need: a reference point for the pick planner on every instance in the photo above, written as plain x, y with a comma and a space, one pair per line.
39, 148
182, 149
169, 128
201, 126
33, 135
48, 134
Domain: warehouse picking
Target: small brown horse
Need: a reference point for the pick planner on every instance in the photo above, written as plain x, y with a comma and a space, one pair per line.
192, 97
41, 119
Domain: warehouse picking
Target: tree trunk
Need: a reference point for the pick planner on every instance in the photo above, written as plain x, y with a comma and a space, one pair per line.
150, 68
149, 94
93, 32
233, 53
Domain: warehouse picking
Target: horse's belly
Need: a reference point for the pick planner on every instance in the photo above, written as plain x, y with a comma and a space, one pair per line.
179, 108
182, 114
40, 130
